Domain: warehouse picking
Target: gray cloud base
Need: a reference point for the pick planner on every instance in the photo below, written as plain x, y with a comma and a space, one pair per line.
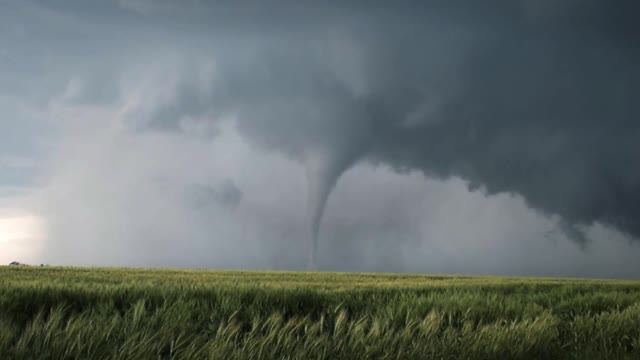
531, 98
528, 98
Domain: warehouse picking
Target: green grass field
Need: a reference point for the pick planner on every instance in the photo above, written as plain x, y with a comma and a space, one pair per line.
92, 313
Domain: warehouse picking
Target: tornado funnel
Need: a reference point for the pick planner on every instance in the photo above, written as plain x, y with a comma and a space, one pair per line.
324, 168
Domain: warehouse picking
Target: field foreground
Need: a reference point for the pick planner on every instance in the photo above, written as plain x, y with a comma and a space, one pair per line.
92, 313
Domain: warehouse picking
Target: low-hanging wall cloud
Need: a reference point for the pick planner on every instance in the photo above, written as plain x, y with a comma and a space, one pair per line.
531, 98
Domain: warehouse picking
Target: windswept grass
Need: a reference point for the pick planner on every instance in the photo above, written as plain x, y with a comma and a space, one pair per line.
64, 313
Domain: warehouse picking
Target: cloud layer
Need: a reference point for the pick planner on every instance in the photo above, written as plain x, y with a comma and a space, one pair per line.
528, 98
198, 121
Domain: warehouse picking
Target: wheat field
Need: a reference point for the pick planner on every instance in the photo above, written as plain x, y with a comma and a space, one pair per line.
101, 313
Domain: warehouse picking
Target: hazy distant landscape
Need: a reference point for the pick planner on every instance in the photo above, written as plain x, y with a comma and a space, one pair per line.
100, 313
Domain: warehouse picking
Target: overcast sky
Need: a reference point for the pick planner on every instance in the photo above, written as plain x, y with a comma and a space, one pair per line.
496, 137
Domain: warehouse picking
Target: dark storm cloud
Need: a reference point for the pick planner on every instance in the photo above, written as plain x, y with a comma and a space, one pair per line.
536, 98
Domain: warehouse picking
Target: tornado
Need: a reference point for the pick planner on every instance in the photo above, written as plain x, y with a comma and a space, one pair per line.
324, 168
